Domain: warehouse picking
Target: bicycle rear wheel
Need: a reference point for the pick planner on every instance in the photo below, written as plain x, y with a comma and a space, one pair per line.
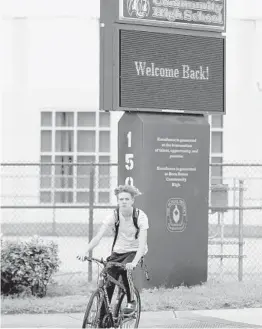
92, 313
128, 321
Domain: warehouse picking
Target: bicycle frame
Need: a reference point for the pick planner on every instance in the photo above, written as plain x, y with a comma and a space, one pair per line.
106, 279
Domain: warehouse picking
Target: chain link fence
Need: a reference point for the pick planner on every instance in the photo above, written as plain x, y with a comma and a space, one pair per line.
56, 201
235, 223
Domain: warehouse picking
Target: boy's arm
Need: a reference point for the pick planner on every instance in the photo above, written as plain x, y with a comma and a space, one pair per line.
94, 242
96, 239
142, 240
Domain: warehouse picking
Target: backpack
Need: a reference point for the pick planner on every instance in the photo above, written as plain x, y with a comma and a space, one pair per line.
135, 219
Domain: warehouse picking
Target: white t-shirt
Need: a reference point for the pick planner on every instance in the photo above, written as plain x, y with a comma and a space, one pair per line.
126, 240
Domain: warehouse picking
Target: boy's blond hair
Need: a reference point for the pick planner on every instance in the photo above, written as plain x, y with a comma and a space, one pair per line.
132, 190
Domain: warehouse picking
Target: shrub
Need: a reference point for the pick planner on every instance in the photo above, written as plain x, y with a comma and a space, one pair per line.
28, 266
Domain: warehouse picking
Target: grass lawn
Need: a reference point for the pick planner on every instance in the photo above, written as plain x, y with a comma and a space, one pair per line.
72, 296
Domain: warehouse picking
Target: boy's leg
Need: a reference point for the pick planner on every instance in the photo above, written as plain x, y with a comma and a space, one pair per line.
113, 271
129, 285
127, 278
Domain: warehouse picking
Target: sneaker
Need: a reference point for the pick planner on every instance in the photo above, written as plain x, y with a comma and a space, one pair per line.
130, 308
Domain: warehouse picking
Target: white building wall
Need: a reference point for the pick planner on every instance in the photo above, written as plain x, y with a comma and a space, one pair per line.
243, 133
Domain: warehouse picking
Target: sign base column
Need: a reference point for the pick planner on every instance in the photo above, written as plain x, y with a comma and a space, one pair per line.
166, 156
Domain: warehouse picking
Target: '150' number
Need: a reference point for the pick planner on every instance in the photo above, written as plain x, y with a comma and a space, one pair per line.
129, 160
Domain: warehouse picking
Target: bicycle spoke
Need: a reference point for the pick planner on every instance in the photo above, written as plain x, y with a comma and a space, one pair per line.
128, 322
91, 316
93, 313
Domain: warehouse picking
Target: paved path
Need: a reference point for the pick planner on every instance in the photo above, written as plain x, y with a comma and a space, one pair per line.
243, 318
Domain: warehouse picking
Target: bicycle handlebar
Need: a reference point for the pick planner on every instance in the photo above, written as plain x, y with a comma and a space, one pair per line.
109, 264
105, 263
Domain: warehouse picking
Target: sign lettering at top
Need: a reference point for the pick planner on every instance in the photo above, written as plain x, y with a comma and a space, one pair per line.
204, 14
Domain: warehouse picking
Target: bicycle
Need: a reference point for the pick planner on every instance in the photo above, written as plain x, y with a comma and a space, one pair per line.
113, 317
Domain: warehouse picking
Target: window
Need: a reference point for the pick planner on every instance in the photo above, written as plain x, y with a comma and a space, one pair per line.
104, 119
216, 148
216, 171
217, 142
217, 121
46, 141
69, 138
104, 141
86, 119
86, 141
46, 119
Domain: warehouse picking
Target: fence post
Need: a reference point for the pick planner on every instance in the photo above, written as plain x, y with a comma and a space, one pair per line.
234, 205
91, 217
221, 216
240, 231
53, 170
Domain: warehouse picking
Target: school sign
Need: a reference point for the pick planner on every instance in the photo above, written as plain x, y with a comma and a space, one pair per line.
166, 56
162, 55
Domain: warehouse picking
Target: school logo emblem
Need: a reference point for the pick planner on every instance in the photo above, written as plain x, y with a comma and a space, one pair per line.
140, 8
176, 215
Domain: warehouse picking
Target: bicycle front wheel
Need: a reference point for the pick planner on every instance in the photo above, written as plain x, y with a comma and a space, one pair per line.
131, 321
92, 313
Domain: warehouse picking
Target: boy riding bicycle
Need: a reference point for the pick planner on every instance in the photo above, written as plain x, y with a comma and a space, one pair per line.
130, 227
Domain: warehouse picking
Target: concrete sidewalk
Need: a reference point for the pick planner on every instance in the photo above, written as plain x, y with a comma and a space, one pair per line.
235, 318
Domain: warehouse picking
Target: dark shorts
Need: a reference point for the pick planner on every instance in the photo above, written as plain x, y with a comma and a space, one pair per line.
124, 258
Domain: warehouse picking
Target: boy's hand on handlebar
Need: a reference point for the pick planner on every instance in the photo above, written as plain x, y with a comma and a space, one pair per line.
130, 266
82, 256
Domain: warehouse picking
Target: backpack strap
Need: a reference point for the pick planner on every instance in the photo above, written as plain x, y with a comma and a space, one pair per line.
135, 220
116, 213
